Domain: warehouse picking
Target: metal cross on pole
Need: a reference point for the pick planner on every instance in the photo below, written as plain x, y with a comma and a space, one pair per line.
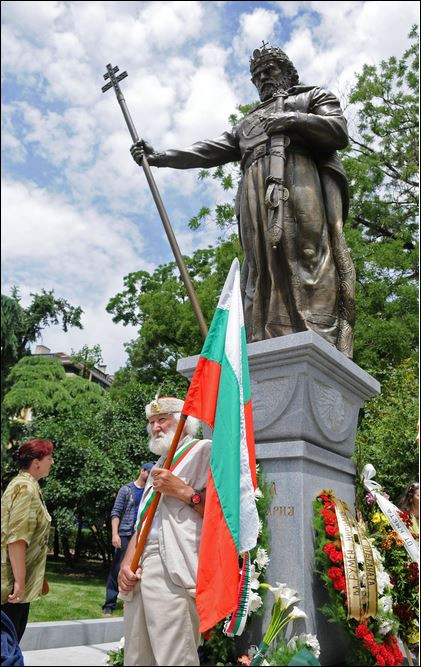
114, 83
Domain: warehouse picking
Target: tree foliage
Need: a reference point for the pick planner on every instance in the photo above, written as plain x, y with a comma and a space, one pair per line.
100, 441
382, 230
21, 326
386, 435
158, 304
88, 358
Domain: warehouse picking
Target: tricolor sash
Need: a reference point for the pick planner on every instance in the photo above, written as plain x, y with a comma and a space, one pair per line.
181, 456
235, 623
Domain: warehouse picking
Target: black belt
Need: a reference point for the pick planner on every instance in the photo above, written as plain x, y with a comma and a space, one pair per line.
263, 149
257, 152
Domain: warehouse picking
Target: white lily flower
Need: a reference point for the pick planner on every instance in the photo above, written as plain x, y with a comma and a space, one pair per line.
258, 493
297, 613
262, 559
287, 596
255, 602
121, 644
254, 578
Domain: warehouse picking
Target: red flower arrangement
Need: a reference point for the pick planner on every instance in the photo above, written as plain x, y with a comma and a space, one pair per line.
403, 572
382, 650
384, 654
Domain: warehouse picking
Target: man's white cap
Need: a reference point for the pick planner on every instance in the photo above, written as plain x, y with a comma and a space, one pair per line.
164, 405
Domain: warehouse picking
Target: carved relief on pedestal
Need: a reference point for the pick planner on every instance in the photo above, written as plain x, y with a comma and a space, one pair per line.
335, 414
270, 398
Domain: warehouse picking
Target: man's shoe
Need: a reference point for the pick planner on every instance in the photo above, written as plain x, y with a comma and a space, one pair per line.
107, 612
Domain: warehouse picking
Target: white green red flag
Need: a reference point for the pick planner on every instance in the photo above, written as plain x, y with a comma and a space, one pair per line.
219, 395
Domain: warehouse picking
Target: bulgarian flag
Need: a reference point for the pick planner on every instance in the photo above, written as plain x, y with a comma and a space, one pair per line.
219, 395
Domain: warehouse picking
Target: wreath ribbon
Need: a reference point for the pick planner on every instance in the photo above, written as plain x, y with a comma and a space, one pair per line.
391, 512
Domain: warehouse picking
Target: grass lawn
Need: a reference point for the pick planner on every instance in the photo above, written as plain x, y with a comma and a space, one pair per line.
74, 594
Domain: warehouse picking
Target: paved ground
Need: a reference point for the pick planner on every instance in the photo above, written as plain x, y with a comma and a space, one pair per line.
73, 656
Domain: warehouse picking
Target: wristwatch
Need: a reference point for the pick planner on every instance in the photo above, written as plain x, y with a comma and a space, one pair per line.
196, 498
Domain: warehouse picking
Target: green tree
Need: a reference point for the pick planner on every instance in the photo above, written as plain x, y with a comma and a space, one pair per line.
100, 443
158, 304
386, 435
88, 358
22, 326
382, 229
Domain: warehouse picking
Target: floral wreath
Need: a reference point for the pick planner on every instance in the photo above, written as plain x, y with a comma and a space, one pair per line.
373, 638
404, 573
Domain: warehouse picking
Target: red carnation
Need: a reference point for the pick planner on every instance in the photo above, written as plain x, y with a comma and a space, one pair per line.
329, 505
336, 556
406, 518
328, 547
331, 530
339, 584
329, 520
361, 631
334, 573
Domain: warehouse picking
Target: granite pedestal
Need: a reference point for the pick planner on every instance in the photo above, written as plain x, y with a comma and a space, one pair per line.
306, 398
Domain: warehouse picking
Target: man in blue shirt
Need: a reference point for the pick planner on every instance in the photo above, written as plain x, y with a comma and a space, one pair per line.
123, 518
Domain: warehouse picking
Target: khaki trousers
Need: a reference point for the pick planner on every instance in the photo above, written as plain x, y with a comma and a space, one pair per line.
161, 624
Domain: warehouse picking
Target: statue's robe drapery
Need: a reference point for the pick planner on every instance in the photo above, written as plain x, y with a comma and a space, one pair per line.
296, 286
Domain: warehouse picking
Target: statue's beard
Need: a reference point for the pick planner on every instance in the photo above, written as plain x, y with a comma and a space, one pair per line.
161, 443
272, 86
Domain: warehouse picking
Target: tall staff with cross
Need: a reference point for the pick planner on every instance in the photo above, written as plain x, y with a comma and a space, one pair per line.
114, 83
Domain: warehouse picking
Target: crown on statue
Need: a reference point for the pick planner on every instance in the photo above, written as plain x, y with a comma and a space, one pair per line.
267, 54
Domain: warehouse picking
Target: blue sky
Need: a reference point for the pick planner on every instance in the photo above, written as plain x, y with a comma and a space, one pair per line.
77, 213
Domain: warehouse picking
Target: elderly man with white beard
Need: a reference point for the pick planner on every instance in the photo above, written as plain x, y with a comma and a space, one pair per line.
161, 623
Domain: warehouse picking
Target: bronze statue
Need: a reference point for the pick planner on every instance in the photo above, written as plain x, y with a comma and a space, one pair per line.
291, 204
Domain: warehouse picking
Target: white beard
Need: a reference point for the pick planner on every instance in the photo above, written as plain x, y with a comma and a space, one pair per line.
161, 444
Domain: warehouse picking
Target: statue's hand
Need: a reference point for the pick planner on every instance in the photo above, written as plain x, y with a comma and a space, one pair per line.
141, 148
279, 123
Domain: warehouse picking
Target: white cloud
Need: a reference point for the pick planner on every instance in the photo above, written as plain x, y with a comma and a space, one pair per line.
83, 253
258, 25
34, 18
346, 35
98, 328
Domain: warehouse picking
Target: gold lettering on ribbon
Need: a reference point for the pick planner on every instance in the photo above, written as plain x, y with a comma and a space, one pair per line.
369, 572
349, 531
352, 578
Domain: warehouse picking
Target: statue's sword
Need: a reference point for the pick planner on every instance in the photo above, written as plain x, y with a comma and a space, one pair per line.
276, 192
114, 83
